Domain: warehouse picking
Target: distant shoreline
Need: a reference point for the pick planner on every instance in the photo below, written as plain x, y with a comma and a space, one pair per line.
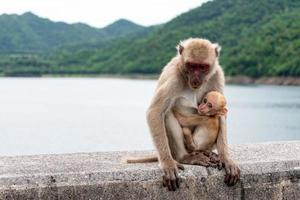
245, 80
240, 79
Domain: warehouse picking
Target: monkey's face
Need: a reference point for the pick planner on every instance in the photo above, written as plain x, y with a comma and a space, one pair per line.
196, 73
198, 56
213, 104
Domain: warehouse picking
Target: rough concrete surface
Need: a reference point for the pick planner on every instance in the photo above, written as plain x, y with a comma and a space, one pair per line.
269, 171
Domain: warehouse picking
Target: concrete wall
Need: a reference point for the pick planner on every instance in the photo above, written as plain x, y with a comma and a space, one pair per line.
269, 171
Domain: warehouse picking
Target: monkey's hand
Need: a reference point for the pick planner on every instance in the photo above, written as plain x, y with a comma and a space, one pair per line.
171, 179
232, 172
181, 118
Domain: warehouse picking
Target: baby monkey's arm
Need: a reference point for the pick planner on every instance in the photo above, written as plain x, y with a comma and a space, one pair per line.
188, 120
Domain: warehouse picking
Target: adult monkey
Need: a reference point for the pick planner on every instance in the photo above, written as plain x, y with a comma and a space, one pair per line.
194, 71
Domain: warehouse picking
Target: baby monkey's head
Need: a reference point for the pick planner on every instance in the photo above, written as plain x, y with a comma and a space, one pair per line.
213, 104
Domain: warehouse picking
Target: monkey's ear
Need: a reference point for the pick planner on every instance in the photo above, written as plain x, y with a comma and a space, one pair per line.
179, 48
223, 112
217, 49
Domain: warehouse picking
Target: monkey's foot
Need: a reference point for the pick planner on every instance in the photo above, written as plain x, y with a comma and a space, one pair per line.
215, 159
202, 158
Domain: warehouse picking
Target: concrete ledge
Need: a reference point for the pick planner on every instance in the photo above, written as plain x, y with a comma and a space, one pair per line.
269, 171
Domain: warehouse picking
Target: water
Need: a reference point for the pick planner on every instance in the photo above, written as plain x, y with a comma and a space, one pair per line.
62, 115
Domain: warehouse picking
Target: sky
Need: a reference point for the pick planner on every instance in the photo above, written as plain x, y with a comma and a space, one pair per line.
100, 13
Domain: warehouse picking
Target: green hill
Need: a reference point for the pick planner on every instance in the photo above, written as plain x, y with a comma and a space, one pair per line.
29, 33
258, 38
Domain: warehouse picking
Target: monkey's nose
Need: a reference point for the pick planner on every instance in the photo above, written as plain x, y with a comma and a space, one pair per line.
195, 84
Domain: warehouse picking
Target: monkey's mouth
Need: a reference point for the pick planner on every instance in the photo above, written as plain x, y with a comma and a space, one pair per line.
195, 83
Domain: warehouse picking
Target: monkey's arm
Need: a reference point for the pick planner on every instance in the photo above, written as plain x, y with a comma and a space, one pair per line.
217, 83
190, 119
162, 102
232, 170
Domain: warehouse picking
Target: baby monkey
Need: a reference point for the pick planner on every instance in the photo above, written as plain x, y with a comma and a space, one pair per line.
200, 131
210, 109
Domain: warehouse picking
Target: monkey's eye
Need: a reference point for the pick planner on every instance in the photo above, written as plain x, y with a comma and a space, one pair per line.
209, 105
205, 100
204, 67
190, 65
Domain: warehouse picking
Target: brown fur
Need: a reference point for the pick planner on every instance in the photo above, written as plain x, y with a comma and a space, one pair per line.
208, 121
177, 80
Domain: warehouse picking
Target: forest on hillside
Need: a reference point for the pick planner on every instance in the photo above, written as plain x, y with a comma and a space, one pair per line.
258, 38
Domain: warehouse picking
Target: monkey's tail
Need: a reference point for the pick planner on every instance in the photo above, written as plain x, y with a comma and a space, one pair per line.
142, 159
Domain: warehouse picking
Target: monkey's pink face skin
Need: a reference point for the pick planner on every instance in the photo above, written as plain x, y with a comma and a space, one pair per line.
203, 109
197, 68
197, 72
207, 108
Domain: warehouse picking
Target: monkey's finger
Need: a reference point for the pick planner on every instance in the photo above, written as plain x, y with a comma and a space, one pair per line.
174, 184
178, 182
233, 175
226, 179
223, 164
205, 164
170, 188
206, 153
172, 174
220, 166
180, 166
199, 162
217, 162
231, 180
227, 169
167, 183
173, 179
213, 161
164, 181
239, 173
215, 155
167, 180
227, 176
236, 179
214, 165
178, 178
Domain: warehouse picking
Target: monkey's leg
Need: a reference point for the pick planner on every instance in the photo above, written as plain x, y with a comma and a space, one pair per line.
188, 137
175, 136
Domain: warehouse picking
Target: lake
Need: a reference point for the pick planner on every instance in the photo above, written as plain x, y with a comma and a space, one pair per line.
63, 115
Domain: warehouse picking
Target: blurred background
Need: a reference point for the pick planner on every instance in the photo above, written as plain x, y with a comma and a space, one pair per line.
77, 76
